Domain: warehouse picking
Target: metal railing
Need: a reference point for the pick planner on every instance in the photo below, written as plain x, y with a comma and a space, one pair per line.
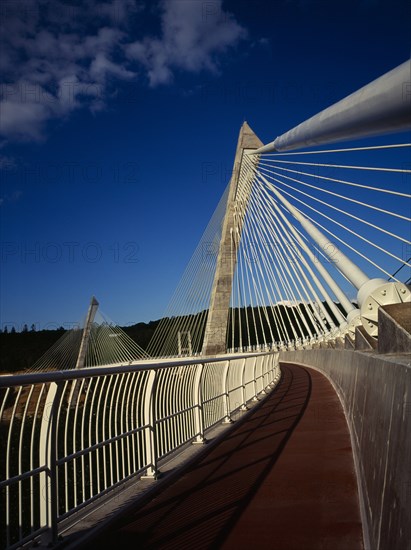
70, 437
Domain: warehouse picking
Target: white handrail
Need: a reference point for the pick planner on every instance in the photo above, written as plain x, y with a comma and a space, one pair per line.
69, 463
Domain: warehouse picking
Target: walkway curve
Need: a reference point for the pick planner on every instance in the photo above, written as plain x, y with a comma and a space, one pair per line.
282, 479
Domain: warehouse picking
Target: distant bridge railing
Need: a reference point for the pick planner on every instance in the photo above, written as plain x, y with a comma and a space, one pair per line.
70, 437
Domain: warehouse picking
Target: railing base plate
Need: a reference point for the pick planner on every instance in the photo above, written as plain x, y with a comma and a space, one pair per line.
151, 477
199, 442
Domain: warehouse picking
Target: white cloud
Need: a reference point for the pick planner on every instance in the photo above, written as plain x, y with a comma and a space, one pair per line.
193, 35
57, 57
101, 66
23, 120
52, 66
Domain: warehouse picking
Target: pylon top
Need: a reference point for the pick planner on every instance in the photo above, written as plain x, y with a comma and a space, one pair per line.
247, 138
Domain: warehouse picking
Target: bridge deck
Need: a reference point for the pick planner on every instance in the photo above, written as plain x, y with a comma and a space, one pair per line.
283, 478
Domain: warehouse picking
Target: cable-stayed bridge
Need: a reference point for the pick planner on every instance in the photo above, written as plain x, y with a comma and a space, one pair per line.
305, 261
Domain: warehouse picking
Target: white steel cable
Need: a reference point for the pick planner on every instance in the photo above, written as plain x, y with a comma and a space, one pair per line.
262, 226
331, 304
162, 341
357, 218
287, 233
285, 284
246, 183
263, 305
349, 199
350, 149
349, 246
340, 224
347, 167
248, 245
336, 180
324, 273
294, 269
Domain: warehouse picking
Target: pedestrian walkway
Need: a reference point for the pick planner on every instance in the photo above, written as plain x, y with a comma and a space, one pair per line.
283, 478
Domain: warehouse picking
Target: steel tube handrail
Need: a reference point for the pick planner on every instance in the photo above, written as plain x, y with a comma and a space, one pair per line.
174, 415
91, 429
21, 477
87, 450
92, 372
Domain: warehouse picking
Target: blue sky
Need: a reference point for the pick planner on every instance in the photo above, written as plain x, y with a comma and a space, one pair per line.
118, 127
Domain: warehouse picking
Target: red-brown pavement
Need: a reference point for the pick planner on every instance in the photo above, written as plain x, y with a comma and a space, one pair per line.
283, 478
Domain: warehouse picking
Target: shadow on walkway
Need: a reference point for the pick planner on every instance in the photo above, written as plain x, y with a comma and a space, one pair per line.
281, 479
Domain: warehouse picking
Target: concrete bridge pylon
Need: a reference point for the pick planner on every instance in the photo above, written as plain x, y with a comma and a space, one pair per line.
216, 328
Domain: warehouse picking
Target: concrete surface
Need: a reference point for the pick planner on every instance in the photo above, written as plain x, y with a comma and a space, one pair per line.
394, 328
363, 341
216, 327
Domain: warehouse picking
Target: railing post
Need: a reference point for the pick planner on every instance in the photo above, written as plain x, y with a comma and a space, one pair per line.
263, 391
150, 421
198, 402
275, 369
227, 412
271, 370
243, 398
54, 500
48, 456
267, 372
209, 386
255, 398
